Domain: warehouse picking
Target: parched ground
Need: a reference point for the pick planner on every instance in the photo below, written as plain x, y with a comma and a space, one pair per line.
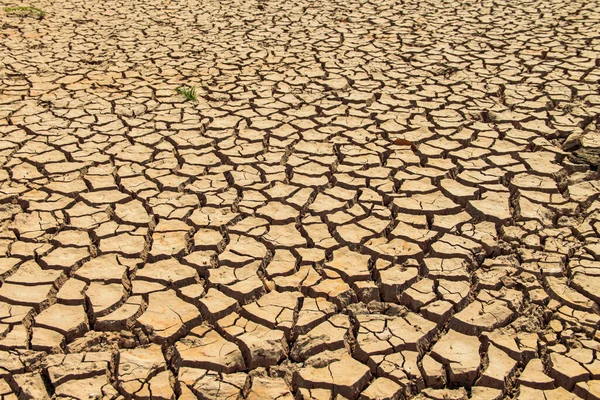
369, 199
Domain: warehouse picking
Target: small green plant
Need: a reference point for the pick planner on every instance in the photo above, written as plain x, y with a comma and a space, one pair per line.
189, 92
28, 11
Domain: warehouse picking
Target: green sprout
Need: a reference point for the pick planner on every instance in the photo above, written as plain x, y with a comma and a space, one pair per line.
28, 11
189, 92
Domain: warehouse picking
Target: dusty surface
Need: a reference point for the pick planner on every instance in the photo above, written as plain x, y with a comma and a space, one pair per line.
275, 238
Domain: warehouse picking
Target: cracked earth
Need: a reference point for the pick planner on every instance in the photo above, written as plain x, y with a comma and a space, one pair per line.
368, 200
